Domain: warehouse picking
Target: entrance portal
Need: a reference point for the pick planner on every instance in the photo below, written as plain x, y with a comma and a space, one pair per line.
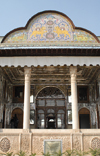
50, 109
84, 118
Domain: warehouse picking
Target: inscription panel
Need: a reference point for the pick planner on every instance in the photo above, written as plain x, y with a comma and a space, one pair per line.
52, 146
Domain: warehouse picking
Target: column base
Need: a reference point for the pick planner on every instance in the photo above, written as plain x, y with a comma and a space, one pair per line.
26, 131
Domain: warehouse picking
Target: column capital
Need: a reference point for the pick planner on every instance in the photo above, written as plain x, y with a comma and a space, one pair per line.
73, 71
27, 71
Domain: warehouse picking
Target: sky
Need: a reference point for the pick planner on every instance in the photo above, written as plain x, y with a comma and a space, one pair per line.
16, 13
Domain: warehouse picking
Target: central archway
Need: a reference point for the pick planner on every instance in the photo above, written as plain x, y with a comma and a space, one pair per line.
50, 109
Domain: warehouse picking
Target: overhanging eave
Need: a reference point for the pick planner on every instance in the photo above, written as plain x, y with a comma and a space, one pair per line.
49, 51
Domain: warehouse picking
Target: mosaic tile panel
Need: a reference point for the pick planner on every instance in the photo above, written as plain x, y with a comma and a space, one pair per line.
82, 36
18, 36
50, 27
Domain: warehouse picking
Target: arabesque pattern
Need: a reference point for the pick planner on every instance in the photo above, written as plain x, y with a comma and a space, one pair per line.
4, 145
95, 143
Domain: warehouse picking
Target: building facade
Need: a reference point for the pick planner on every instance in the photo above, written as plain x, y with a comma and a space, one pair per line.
50, 79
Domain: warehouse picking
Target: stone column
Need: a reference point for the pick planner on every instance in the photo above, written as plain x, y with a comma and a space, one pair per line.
75, 117
26, 121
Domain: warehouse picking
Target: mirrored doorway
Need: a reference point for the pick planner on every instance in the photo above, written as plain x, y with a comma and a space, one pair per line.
50, 109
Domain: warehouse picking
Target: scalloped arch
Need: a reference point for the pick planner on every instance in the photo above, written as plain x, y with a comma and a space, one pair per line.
49, 27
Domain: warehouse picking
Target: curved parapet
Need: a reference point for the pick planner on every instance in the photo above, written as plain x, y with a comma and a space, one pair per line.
52, 28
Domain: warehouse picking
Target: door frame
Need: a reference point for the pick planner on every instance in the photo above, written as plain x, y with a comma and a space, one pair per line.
84, 110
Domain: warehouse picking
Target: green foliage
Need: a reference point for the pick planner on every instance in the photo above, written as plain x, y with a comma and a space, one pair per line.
80, 153
58, 153
69, 152
9, 154
21, 153
46, 154
33, 154
94, 152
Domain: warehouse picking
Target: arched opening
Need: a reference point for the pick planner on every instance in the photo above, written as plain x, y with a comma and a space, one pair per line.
17, 116
50, 119
50, 109
84, 118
